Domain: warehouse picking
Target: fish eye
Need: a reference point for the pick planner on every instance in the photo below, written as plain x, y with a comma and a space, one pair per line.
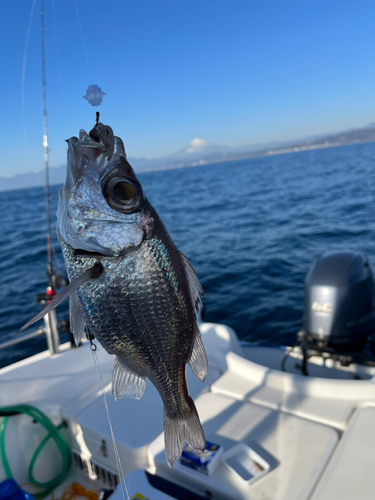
124, 191
123, 195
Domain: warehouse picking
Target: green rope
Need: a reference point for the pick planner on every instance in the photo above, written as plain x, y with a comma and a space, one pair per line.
3, 425
53, 432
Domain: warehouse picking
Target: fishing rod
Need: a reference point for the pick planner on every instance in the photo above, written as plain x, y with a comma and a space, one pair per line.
46, 165
50, 320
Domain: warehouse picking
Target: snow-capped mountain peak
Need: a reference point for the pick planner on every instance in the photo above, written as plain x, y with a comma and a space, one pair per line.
197, 149
196, 145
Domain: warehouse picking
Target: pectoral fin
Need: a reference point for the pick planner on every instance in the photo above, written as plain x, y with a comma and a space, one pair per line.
125, 382
195, 288
76, 318
91, 273
198, 358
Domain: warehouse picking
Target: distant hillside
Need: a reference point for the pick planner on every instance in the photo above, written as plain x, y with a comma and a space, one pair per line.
355, 136
366, 134
200, 152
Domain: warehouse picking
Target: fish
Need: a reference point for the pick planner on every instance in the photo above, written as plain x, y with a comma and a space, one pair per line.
130, 287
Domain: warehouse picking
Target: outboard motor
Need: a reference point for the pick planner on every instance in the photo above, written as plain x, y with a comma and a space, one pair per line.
339, 309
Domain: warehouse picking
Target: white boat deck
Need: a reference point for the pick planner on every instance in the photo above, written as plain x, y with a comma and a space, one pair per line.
297, 450
53, 381
316, 434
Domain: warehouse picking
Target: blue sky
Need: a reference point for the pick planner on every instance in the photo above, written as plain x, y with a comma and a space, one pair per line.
232, 72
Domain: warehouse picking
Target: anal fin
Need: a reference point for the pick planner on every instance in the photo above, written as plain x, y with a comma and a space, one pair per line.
76, 318
198, 358
126, 383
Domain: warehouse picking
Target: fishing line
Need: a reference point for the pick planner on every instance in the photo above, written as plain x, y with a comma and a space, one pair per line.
57, 58
83, 40
93, 349
57, 52
24, 73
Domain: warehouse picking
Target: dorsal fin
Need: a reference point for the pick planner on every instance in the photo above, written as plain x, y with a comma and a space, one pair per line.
195, 288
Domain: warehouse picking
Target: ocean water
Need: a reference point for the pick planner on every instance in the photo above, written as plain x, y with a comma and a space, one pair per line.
251, 229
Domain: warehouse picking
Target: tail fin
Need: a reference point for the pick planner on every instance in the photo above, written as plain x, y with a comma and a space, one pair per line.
179, 429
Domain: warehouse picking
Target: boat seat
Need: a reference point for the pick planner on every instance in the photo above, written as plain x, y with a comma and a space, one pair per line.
296, 449
327, 401
350, 473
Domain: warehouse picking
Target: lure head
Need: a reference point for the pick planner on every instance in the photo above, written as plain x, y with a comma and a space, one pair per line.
102, 207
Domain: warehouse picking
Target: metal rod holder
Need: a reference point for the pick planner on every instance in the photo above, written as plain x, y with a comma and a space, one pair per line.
53, 339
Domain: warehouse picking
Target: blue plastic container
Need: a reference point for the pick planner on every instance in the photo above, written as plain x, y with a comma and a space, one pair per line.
10, 490
204, 461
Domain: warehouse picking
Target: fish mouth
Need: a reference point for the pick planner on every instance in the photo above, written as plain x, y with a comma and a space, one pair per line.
97, 218
128, 249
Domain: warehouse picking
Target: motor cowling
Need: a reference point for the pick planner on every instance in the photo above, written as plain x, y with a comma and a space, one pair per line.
339, 305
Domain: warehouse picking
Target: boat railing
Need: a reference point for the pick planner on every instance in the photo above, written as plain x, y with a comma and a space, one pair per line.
49, 330
18, 340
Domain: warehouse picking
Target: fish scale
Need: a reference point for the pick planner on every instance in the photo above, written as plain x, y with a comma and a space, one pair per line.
132, 316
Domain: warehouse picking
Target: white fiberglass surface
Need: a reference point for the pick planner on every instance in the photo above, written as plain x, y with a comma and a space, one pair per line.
296, 450
273, 357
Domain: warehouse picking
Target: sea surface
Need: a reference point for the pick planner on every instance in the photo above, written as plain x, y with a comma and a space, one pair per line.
251, 229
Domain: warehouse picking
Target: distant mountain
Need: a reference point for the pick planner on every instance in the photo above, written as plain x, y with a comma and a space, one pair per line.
200, 152
33, 179
365, 134
197, 149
